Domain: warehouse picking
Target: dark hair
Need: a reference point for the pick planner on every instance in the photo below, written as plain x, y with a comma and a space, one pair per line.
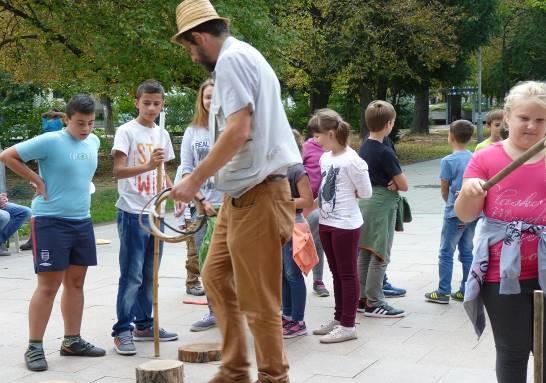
216, 27
80, 103
377, 114
325, 120
461, 131
150, 87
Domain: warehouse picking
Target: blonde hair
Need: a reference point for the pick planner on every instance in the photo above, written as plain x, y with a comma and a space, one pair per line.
527, 90
324, 120
201, 116
299, 139
377, 114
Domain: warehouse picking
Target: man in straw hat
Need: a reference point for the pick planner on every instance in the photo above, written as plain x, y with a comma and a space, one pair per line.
253, 147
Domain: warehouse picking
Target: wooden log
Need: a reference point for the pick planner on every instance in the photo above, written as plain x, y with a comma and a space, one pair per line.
160, 371
200, 352
538, 335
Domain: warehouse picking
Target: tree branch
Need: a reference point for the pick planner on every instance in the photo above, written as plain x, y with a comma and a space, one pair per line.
16, 38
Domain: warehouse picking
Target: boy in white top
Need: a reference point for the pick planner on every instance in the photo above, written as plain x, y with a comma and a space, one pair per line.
140, 146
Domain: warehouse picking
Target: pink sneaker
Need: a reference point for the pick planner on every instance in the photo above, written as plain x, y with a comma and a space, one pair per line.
294, 329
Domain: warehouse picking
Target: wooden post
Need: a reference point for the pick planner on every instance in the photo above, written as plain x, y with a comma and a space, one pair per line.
160, 371
200, 352
538, 335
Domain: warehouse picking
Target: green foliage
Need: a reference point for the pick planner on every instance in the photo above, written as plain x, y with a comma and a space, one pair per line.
179, 107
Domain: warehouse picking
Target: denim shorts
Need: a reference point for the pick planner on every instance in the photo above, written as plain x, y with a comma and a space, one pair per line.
60, 242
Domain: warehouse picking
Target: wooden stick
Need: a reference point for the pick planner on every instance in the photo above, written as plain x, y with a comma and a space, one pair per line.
538, 335
533, 150
157, 242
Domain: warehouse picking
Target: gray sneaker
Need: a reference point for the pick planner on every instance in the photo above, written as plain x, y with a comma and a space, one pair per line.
148, 335
339, 334
208, 322
4, 251
196, 290
326, 328
35, 359
123, 343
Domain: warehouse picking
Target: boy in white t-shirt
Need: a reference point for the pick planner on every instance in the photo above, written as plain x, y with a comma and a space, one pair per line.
139, 147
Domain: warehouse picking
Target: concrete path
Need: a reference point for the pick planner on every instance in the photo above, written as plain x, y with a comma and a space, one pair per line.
432, 344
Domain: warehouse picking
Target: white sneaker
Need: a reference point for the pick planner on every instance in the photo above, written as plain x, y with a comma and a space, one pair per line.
339, 334
326, 328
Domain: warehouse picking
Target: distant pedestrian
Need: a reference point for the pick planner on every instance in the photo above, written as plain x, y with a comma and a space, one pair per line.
52, 121
493, 122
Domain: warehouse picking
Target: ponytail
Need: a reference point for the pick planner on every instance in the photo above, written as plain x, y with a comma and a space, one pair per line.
325, 120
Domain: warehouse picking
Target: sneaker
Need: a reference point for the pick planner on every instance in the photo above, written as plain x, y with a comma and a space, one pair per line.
436, 297
383, 311
27, 245
458, 296
320, 290
4, 251
148, 334
285, 321
196, 290
35, 358
208, 322
361, 305
294, 329
326, 328
81, 348
123, 343
392, 292
339, 334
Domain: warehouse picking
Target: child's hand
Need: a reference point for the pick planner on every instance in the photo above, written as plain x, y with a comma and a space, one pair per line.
3, 200
392, 186
179, 208
472, 188
158, 156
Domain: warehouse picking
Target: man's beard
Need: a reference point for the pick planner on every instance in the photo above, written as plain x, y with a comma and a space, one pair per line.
209, 65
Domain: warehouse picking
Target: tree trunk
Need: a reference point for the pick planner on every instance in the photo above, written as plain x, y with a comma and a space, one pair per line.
200, 352
382, 86
319, 94
3, 188
106, 102
160, 371
365, 97
420, 115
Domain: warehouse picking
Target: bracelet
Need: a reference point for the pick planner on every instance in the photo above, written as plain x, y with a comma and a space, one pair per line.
201, 199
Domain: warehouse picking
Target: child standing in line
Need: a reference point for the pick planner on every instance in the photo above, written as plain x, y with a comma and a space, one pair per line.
344, 179
493, 121
294, 291
510, 244
377, 233
455, 233
137, 153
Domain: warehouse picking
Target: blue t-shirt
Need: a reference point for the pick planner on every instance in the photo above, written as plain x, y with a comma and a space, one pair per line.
452, 168
67, 166
51, 125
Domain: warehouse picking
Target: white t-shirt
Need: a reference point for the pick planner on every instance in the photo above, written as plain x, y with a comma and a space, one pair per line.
344, 179
138, 142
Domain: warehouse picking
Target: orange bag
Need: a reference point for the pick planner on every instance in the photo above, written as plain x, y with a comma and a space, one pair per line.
303, 247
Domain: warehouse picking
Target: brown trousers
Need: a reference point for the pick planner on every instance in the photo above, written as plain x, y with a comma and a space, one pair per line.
243, 275
192, 263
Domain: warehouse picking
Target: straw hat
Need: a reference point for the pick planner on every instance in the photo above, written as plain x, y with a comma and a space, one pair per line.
191, 13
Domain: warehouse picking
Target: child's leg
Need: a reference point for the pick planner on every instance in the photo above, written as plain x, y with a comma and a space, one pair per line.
345, 245
296, 285
286, 293
326, 238
374, 281
364, 258
72, 299
452, 230
465, 247
313, 222
133, 243
41, 303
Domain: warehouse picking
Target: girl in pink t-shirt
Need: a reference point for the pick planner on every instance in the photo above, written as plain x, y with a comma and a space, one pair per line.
521, 196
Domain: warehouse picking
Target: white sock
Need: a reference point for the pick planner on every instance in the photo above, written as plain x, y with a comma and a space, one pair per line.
349, 328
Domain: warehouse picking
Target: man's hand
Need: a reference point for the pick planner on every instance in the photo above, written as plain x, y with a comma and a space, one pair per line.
158, 156
208, 208
185, 189
40, 189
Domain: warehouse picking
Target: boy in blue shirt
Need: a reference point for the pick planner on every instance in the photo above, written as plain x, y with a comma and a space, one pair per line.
455, 233
62, 231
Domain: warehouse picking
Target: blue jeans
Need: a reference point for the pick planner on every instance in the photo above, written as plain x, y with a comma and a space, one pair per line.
136, 265
12, 216
294, 291
455, 234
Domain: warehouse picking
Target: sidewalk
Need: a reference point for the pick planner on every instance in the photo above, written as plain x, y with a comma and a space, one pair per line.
432, 344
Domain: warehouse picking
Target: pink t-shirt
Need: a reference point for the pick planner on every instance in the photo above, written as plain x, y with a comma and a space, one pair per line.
521, 196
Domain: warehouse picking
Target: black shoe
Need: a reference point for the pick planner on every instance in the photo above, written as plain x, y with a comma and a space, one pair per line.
35, 359
27, 245
81, 348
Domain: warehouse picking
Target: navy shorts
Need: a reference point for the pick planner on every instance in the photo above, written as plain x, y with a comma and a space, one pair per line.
60, 242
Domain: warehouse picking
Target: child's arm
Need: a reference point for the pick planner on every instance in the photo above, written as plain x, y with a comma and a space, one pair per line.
305, 200
11, 158
469, 203
358, 172
444, 188
401, 182
121, 170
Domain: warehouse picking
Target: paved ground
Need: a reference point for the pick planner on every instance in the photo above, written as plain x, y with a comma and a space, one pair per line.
433, 343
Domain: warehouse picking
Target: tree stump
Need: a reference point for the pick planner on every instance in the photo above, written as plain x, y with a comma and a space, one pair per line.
200, 352
160, 371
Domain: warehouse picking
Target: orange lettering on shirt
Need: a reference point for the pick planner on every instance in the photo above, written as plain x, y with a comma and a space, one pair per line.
142, 154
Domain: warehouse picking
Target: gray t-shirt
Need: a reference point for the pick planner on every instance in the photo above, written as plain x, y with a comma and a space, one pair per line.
294, 174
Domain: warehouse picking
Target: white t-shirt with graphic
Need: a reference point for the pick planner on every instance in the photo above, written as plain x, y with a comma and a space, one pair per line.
344, 179
138, 142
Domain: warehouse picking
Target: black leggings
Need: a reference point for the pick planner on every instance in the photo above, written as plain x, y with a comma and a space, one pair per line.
511, 318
